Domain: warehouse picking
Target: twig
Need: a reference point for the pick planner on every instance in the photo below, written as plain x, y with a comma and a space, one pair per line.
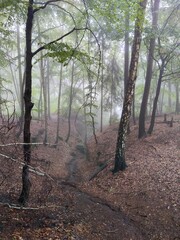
98, 170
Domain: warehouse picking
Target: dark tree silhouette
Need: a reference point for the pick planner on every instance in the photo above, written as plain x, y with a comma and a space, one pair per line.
165, 58
142, 115
26, 184
28, 106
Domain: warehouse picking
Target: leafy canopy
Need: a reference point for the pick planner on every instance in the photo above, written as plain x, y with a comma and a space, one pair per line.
63, 53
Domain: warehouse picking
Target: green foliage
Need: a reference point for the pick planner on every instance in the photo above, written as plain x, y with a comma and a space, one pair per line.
63, 53
12, 10
111, 15
3, 60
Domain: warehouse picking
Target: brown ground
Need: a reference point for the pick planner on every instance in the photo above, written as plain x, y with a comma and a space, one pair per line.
139, 203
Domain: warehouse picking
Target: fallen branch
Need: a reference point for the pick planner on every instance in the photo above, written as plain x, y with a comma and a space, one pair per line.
14, 144
98, 170
31, 169
15, 206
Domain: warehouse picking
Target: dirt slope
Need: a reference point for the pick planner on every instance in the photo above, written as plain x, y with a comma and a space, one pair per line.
148, 191
140, 203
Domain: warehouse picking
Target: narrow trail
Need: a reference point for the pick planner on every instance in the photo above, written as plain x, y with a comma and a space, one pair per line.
106, 221
63, 205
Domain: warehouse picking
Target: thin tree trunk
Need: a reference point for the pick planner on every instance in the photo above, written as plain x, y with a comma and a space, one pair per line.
85, 118
151, 127
70, 102
161, 102
111, 103
102, 87
142, 115
20, 82
133, 111
169, 96
44, 86
59, 106
120, 163
40, 107
44, 98
126, 53
177, 110
14, 81
48, 91
26, 184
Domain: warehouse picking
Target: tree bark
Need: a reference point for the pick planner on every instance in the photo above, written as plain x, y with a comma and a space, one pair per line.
59, 105
177, 110
28, 107
44, 86
151, 127
142, 115
21, 80
169, 96
126, 53
102, 86
120, 163
70, 102
48, 90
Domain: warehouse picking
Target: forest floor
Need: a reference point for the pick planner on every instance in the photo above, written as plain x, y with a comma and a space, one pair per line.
141, 202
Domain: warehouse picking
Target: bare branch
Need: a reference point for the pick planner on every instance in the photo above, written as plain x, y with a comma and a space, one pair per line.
58, 39
167, 20
31, 169
45, 5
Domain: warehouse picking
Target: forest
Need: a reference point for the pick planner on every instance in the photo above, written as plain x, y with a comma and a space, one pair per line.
89, 119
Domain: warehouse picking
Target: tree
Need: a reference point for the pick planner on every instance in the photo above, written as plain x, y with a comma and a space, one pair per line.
150, 58
177, 109
62, 52
59, 105
165, 57
28, 107
70, 102
120, 163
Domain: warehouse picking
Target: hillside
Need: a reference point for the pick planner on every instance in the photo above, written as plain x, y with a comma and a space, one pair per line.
139, 203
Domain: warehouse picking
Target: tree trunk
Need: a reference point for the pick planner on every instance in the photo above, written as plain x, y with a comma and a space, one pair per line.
102, 87
120, 163
44, 86
20, 83
177, 110
85, 114
161, 102
126, 53
48, 90
133, 111
28, 107
40, 107
111, 99
126, 57
151, 127
70, 103
142, 116
43, 82
169, 96
59, 106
